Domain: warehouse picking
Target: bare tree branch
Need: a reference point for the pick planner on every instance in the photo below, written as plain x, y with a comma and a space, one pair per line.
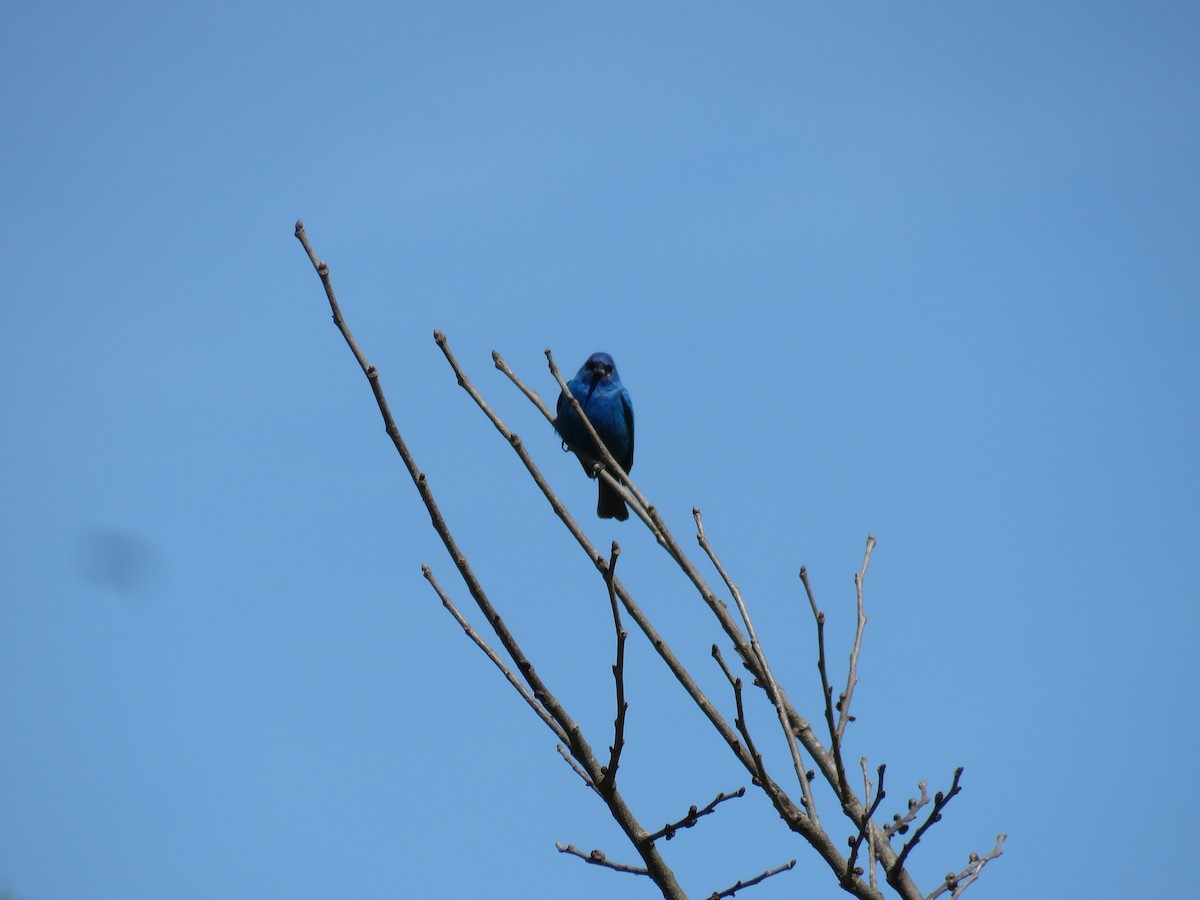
935, 815
562, 751
866, 797
494, 657
730, 891
759, 772
614, 758
900, 823
835, 744
534, 397
694, 815
957, 883
597, 858
865, 826
852, 677
774, 692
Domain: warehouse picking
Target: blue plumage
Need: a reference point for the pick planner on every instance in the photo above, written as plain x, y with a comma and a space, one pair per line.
606, 403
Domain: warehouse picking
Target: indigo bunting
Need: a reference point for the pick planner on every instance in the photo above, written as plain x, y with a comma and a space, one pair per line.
606, 403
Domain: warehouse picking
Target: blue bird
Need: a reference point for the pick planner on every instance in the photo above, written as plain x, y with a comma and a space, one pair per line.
606, 403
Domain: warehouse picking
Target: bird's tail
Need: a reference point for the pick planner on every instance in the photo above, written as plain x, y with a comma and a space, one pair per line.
610, 505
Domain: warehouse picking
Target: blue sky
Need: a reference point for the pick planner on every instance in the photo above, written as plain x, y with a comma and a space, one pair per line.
922, 270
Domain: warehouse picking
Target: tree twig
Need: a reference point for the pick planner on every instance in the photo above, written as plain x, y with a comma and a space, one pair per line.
439, 523
759, 772
694, 815
935, 815
597, 858
957, 883
493, 656
774, 691
562, 751
835, 744
730, 891
900, 823
866, 798
534, 397
852, 677
864, 827
614, 752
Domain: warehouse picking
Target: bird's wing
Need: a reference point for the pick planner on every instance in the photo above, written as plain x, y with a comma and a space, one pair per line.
628, 405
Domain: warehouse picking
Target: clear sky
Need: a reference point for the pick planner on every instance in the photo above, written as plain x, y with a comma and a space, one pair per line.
926, 270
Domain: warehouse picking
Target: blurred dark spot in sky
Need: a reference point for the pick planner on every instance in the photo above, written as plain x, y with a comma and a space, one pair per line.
120, 561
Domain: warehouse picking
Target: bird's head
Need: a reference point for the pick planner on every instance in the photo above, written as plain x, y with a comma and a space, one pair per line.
598, 367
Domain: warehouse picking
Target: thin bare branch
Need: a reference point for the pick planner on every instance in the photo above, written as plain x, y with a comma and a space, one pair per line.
730, 891
614, 752
835, 744
774, 691
935, 815
534, 397
852, 677
864, 827
597, 858
474, 586
871, 843
901, 823
759, 772
694, 815
493, 656
562, 751
957, 883
323, 271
